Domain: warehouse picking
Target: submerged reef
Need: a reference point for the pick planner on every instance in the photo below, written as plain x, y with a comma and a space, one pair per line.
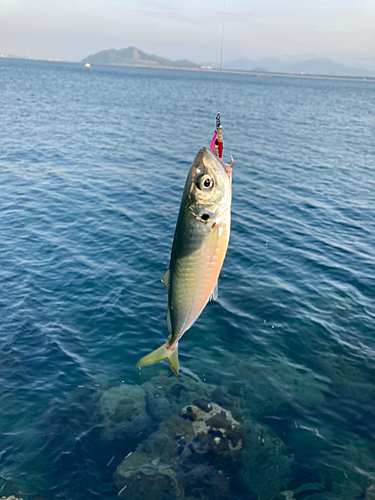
124, 413
262, 386
370, 493
194, 455
191, 440
284, 495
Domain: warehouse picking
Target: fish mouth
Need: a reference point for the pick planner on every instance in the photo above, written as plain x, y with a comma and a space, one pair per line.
227, 168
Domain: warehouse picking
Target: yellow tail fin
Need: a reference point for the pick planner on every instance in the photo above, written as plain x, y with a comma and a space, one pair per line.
166, 351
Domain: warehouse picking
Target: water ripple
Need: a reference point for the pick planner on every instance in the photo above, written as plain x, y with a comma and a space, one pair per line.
92, 166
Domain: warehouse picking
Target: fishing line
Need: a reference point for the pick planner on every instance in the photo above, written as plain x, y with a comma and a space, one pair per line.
219, 133
220, 93
222, 38
217, 140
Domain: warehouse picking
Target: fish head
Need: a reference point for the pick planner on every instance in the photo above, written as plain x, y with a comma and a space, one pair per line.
210, 181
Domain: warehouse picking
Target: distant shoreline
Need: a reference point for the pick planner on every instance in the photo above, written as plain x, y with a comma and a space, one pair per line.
259, 74
267, 74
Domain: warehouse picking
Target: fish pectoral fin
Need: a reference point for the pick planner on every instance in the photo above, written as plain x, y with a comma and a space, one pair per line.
166, 351
215, 292
166, 279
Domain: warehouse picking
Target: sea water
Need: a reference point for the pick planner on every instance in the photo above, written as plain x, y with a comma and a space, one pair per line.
92, 166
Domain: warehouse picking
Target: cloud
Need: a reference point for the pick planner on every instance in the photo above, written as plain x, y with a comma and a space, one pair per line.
73, 28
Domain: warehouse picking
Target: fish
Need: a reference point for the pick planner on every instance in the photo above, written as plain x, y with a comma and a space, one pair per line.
199, 247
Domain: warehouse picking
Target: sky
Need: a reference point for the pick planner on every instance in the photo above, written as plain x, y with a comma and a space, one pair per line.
343, 30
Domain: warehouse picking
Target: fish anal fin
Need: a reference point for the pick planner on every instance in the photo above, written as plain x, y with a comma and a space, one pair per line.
213, 296
215, 292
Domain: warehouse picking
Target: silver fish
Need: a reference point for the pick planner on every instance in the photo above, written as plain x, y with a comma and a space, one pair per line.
199, 247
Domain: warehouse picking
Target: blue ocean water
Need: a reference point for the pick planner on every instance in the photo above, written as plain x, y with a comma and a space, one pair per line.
92, 166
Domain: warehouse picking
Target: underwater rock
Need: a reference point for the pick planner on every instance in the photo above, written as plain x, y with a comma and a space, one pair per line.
191, 440
370, 493
358, 480
12, 497
283, 495
215, 428
132, 412
205, 483
224, 400
166, 395
192, 456
158, 483
346, 469
124, 412
259, 384
266, 461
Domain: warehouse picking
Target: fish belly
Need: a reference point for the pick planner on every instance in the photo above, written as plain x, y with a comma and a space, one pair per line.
193, 275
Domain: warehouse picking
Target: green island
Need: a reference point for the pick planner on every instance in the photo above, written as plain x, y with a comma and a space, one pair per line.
132, 56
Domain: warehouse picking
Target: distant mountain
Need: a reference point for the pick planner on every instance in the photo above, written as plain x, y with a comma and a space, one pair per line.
326, 66
321, 66
132, 56
135, 57
242, 64
259, 69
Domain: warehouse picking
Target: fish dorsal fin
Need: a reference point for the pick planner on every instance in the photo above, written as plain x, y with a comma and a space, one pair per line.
166, 279
169, 323
215, 292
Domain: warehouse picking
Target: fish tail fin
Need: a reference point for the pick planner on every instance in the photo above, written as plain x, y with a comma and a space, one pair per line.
166, 351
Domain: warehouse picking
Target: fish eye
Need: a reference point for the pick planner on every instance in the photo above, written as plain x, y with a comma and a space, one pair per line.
205, 182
